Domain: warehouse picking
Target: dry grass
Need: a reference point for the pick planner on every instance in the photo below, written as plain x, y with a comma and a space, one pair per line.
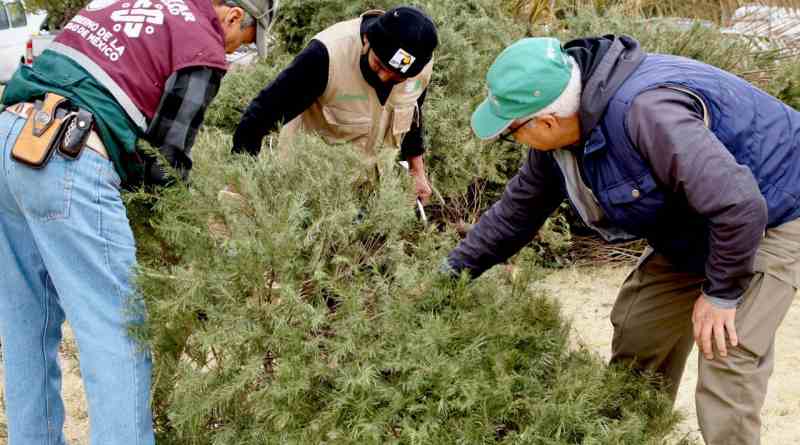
718, 11
593, 251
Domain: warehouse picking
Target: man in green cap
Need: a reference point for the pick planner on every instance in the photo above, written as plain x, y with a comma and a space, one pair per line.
698, 162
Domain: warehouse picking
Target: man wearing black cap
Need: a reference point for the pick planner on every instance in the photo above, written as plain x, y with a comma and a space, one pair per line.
361, 81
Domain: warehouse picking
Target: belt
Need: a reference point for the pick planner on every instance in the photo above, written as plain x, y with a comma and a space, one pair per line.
93, 142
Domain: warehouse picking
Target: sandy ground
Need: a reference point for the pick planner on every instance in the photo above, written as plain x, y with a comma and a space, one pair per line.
76, 428
586, 296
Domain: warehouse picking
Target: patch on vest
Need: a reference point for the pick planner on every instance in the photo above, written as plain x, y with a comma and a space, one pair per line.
133, 21
402, 60
136, 16
351, 97
413, 87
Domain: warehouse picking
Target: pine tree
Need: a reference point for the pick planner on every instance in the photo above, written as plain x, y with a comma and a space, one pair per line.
313, 310
319, 315
59, 12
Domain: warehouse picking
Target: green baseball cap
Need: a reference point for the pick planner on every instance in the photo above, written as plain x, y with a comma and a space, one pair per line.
524, 79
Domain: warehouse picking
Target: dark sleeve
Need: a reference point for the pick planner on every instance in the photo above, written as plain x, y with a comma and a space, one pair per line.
187, 95
511, 223
668, 129
292, 92
414, 142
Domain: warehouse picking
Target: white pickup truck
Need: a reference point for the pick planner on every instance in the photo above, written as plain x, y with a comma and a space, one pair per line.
37, 44
16, 27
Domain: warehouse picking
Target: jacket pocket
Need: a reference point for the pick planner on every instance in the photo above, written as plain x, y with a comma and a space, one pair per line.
402, 119
635, 205
631, 191
344, 125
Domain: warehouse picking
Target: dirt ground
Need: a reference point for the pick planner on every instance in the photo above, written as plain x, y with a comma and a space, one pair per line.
76, 428
586, 295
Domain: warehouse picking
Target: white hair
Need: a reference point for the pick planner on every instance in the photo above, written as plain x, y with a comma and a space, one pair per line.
570, 100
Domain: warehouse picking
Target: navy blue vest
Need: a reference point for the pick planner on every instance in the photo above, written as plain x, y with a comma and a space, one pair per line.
760, 131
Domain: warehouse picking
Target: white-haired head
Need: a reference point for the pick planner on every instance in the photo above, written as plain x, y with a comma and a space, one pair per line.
568, 103
532, 78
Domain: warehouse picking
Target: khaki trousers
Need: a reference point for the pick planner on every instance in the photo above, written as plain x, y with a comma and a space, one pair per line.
652, 320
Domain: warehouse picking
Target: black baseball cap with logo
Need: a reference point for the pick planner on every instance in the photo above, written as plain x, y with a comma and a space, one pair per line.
404, 39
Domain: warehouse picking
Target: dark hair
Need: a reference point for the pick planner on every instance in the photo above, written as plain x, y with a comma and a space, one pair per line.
248, 19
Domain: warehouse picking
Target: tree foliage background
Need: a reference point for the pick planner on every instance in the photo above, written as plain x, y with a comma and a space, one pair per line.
59, 12
312, 311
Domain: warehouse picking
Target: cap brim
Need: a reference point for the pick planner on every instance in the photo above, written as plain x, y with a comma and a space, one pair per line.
486, 124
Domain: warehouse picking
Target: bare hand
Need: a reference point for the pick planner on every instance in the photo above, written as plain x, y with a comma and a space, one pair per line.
422, 187
416, 168
710, 326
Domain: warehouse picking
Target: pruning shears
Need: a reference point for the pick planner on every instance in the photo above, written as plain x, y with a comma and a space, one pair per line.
420, 207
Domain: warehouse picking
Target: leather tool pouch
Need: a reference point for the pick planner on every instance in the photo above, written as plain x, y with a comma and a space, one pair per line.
77, 132
43, 131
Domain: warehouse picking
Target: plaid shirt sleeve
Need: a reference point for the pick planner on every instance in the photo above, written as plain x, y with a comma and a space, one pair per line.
187, 95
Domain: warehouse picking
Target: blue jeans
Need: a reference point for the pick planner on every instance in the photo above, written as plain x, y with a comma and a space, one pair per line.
67, 252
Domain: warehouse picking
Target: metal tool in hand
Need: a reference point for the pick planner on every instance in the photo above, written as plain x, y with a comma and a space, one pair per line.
420, 207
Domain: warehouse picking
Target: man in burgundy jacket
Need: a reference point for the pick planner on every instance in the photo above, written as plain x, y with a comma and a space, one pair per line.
127, 71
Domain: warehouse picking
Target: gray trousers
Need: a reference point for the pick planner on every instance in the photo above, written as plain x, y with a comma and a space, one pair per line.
652, 320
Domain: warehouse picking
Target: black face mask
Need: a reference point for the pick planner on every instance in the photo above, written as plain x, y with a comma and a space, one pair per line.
371, 77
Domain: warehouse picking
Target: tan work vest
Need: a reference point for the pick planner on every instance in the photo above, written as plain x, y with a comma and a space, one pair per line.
349, 109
